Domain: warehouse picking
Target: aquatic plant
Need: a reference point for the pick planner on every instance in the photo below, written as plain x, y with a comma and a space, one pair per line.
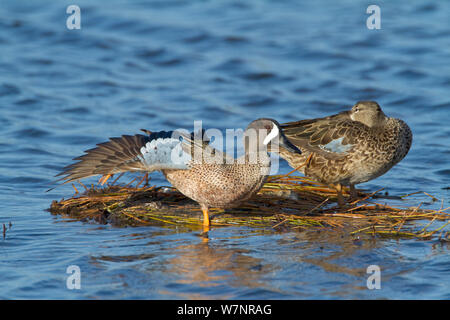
285, 203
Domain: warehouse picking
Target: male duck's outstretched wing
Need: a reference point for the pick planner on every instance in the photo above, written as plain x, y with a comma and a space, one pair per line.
151, 152
332, 137
202, 152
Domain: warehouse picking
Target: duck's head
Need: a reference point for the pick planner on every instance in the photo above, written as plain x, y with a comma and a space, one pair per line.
261, 132
369, 113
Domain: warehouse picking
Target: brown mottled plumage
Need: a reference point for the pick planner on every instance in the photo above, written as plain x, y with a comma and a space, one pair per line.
348, 148
221, 184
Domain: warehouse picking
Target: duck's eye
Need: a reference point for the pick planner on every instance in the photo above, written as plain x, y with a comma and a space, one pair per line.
356, 109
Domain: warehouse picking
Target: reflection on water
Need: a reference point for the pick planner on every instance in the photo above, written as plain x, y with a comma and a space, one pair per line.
226, 267
205, 266
160, 65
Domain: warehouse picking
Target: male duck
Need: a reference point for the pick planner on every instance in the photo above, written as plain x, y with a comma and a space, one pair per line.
200, 172
348, 148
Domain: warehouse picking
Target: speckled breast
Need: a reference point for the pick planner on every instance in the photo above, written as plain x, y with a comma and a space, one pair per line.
220, 186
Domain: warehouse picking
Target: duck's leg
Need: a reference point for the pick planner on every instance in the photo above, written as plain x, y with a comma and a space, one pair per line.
353, 192
340, 197
206, 220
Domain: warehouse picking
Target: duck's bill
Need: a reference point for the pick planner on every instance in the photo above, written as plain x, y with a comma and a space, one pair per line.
289, 146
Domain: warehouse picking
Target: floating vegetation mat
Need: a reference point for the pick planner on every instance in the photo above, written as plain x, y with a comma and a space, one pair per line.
285, 203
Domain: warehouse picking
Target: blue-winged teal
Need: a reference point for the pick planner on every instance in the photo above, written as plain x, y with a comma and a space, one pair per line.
348, 148
213, 180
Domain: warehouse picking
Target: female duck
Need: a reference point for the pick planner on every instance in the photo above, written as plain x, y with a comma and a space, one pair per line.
348, 148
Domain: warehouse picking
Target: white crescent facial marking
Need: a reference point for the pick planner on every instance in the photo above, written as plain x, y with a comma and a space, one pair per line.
272, 134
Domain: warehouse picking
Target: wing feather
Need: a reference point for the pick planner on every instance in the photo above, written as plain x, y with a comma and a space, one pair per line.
330, 137
154, 151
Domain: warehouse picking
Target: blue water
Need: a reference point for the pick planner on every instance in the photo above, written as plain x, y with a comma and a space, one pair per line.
163, 64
